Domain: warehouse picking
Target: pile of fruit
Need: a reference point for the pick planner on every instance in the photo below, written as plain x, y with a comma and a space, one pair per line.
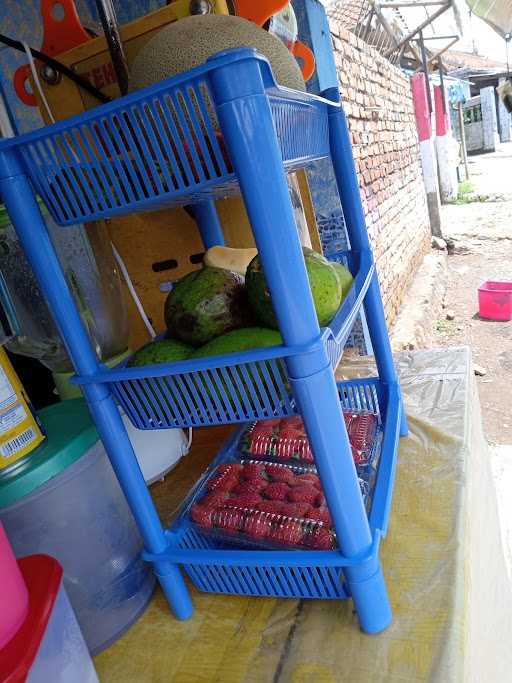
226, 306
265, 503
286, 438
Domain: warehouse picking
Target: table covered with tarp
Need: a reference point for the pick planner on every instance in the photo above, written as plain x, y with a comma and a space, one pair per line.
443, 561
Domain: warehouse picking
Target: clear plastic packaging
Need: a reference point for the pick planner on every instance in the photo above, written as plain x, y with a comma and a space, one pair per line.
86, 259
264, 504
286, 439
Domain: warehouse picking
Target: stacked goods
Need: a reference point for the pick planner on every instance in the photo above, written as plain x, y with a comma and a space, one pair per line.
215, 310
286, 439
329, 286
264, 504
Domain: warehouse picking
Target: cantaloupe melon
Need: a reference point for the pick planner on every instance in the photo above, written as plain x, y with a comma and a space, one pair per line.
189, 42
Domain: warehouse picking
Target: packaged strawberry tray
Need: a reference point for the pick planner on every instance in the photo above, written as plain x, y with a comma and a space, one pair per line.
286, 439
264, 504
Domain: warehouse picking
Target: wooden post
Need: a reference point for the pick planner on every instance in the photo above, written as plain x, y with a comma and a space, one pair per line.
463, 139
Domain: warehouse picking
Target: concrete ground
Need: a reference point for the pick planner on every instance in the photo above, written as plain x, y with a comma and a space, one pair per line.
482, 233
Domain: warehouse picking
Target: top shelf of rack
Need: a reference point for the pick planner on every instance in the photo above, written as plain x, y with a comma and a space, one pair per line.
162, 146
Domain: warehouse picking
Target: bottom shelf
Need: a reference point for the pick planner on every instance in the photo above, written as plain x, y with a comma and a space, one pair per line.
214, 565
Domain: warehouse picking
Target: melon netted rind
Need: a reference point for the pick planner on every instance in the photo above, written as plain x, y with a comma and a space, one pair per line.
189, 42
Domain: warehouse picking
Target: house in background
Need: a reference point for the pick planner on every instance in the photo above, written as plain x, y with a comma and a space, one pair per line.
487, 122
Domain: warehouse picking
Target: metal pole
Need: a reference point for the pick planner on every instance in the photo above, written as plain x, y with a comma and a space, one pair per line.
463, 139
451, 37
108, 18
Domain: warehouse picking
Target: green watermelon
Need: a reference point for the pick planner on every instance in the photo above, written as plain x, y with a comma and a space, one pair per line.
205, 304
157, 352
239, 340
243, 339
324, 282
344, 276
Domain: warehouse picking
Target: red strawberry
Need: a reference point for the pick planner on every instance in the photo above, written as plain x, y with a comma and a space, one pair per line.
320, 500
287, 532
257, 525
280, 473
309, 479
292, 434
261, 431
245, 500
226, 482
303, 494
253, 470
201, 515
275, 507
304, 451
250, 486
284, 449
273, 422
318, 538
294, 422
260, 447
320, 515
276, 491
228, 519
349, 416
229, 468
299, 510
214, 499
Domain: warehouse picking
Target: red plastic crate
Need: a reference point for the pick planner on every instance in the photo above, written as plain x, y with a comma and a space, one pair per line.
495, 300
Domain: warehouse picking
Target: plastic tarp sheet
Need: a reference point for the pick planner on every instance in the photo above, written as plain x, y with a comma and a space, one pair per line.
443, 561
497, 13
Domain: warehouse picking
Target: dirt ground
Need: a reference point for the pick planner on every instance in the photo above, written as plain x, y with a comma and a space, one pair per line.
482, 232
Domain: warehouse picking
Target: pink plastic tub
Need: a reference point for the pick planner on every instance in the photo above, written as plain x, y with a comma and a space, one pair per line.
495, 300
13, 593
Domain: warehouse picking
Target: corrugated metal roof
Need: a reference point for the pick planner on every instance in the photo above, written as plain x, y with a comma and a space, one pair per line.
497, 13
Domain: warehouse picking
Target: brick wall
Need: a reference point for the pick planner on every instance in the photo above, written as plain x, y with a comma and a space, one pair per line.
387, 156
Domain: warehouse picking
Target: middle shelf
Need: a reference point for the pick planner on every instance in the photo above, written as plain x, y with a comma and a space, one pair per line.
236, 387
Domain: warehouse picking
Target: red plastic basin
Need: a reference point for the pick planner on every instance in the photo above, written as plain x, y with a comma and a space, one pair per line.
495, 300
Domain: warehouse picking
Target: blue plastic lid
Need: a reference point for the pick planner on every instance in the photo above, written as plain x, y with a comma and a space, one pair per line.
70, 433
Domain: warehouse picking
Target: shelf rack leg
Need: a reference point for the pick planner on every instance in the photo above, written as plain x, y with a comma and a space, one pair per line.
348, 187
31, 229
246, 121
207, 219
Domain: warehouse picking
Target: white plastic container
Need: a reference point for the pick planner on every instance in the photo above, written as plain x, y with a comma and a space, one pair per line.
49, 646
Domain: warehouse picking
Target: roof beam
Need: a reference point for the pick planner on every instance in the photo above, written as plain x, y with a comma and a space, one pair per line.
423, 24
442, 37
426, 3
436, 55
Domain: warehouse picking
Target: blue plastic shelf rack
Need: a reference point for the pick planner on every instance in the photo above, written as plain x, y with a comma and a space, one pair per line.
220, 128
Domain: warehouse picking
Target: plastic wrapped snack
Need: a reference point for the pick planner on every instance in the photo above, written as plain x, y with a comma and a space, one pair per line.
265, 504
286, 439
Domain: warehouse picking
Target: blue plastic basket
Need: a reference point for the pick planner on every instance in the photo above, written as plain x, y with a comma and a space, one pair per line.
237, 387
215, 567
158, 147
